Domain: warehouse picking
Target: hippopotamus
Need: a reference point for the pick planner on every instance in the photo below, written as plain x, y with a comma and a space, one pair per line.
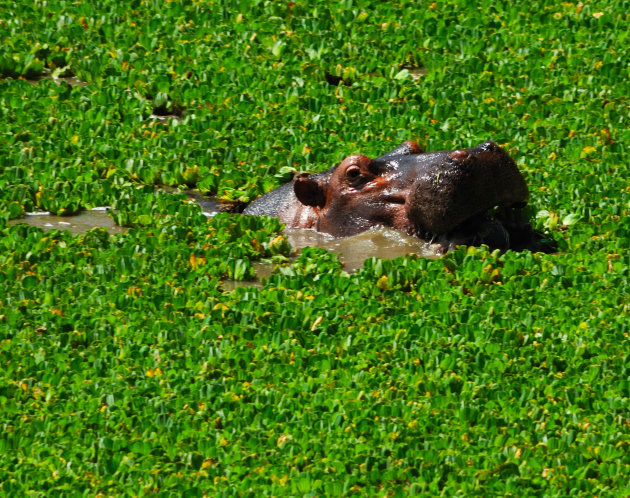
445, 197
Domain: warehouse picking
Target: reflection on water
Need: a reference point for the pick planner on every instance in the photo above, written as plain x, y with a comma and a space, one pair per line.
379, 242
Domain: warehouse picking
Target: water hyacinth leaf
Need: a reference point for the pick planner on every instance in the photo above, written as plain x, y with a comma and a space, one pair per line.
15, 210
570, 219
160, 99
30, 282
402, 74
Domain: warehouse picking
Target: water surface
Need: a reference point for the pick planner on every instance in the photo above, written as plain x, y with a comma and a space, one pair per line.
77, 224
378, 242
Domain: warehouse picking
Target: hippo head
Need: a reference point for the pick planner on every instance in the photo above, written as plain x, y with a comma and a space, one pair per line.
443, 194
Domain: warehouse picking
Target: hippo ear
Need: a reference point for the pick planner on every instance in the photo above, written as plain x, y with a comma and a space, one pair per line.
309, 191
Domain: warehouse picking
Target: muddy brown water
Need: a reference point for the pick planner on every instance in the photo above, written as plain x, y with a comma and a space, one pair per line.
79, 223
379, 242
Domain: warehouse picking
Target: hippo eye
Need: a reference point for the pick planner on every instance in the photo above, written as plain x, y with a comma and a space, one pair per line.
353, 173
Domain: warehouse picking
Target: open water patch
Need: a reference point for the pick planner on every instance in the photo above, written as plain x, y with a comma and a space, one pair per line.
77, 224
209, 204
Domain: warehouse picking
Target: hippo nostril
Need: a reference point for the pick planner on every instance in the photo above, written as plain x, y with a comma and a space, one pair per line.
489, 146
459, 156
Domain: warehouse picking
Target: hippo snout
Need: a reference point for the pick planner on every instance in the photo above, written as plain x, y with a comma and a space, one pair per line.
468, 182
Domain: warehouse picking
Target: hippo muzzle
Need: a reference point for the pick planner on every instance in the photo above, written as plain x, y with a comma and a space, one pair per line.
454, 186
